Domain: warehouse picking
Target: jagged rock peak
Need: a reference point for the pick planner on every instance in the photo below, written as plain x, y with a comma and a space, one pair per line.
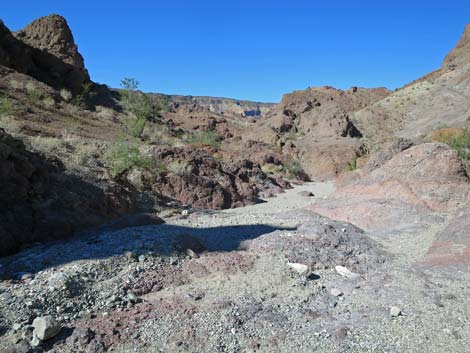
53, 35
460, 55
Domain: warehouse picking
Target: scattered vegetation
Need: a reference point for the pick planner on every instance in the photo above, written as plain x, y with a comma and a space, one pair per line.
124, 155
457, 139
34, 93
140, 106
292, 167
6, 107
136, 126
352, 165
80, 100
65, 94
204, 138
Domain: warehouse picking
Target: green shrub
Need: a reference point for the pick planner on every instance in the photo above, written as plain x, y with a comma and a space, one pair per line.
133, 101
6, 107
461, 143
34, 93
292, 167
204, 138
80, 100
136, 126
123, 155
352, 165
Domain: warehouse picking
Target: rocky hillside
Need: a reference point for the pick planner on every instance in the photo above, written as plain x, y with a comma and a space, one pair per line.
179, 243
439, 99
314, 126
49, 105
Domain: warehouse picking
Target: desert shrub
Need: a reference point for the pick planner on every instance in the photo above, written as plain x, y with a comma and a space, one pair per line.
446, 134
292, 167
461, 144
81, 99
163, 104
6, 107
352, 165
204, 138
457, 139
16, 85
124, 155
270, 168
48, 101
34, 92
178, 167
136, 126
65, 94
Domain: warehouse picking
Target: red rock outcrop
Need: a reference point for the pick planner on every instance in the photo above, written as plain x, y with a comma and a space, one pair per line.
413, 188
196, 178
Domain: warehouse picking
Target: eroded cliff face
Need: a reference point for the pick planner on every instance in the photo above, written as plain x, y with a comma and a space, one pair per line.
314, 125
223, 106
45, 50
53, 35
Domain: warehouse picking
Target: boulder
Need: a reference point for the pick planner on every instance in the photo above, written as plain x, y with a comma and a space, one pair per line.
45, 327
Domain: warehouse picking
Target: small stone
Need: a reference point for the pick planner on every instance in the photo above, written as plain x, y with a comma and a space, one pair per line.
343, 271
173, 261
35, 342
45, 327
26, 276
17, 326
130, 255
301, 269
306, 194
192, 254
84, 315
185, 213
114, 299
395, 311
142, 258
341, 332
233, 331
336, 292
132, 297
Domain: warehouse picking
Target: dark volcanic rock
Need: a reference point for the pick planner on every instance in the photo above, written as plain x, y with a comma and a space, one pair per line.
47, 53
207, 182
52, 35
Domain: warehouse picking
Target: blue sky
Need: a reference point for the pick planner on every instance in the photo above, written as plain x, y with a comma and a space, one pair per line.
254, 50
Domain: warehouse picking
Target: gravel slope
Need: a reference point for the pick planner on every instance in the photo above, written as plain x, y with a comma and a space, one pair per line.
224, 282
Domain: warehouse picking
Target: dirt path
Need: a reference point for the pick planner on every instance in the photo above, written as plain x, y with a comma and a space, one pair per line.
224, 282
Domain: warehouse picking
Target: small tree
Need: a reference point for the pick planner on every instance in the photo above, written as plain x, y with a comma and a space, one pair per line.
138, 104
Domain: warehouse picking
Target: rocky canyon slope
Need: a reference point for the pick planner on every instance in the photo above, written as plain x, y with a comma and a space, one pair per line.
135, 222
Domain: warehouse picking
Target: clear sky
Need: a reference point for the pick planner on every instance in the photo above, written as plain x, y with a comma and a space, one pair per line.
254, 49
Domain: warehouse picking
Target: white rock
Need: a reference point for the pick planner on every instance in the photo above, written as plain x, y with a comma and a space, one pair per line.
301, 269
35, 341
343, 271
45, 327
395, 311
336, 292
